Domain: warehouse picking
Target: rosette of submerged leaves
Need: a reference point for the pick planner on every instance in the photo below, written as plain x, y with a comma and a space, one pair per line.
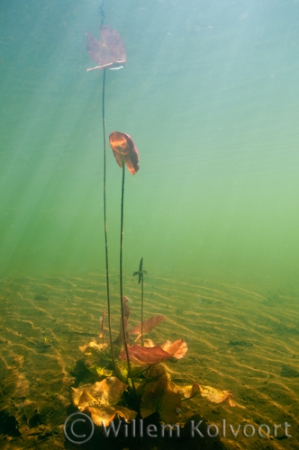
157, 393
155, 390
101, 401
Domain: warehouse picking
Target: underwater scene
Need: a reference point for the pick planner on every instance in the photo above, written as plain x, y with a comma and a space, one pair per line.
149, 289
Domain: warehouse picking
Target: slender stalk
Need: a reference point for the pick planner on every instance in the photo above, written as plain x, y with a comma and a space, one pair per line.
102, 12
105, 217
124, 331
142, 339
140, 273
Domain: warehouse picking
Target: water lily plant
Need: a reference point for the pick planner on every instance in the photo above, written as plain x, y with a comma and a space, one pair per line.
112, 395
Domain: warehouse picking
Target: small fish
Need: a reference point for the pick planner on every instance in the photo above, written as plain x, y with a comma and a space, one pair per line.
140, 272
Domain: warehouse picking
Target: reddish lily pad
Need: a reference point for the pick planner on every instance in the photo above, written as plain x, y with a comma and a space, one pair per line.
145, 355
147, 325
110, 53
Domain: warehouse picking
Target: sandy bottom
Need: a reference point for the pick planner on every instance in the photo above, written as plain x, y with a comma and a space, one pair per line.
239, 340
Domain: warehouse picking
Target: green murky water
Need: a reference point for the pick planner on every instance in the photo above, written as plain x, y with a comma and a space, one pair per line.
209, 95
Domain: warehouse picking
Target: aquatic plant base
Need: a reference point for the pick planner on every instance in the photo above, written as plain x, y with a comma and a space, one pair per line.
238, 339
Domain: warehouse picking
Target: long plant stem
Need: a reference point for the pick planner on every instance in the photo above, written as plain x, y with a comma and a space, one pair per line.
124, 331
105, 217
142, 339
102, 12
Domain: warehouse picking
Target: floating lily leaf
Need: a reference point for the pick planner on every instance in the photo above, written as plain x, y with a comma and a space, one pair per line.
145, 355
176, 349
147, 325
110, 53
103, 415
216, 395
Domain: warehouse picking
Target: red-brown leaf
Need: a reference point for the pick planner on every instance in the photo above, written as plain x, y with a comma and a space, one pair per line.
176, 349
124, 150
110, 53
147, 324
145, 355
